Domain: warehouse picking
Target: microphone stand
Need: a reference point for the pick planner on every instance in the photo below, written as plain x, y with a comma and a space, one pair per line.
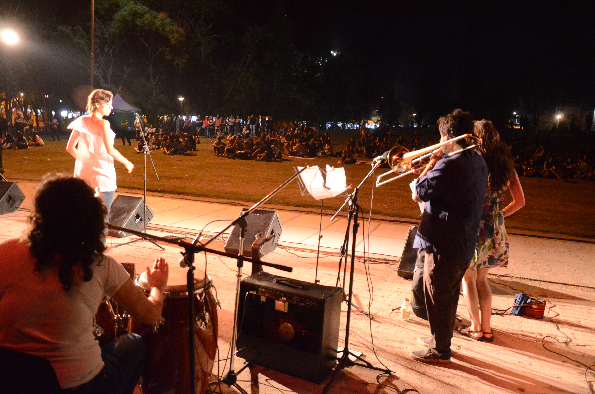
146, 152
231, 377
189, 250
353, 213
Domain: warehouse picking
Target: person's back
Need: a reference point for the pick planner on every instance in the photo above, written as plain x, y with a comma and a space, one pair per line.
56, 324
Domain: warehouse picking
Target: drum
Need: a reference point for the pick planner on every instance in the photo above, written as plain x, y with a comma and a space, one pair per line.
168, 359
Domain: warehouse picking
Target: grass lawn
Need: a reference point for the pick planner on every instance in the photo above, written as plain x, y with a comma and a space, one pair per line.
554, 207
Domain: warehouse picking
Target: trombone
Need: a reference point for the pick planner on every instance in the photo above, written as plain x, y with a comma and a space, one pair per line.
404, 163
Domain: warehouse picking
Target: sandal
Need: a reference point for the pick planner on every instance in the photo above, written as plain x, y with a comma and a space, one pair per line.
464, 330
488, 339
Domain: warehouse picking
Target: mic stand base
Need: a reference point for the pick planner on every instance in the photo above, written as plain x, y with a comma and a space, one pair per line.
346, 362
230, 379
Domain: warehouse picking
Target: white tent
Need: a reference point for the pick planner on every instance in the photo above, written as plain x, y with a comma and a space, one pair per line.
120, 105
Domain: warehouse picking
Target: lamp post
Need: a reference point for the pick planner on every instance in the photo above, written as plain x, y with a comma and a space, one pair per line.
558, 117
179, 126
92, 40
10, 38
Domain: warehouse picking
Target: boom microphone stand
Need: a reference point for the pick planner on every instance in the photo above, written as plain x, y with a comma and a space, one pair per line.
231, 376
189, 250
353, 214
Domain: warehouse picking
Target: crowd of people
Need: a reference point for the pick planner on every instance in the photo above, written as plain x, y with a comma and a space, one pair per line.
536, 162
258, 138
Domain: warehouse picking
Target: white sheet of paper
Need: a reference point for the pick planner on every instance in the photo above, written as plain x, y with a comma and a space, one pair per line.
316, 185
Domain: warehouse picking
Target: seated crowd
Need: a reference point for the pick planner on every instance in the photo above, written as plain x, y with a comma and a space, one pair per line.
538, 163
21, 141
257, 138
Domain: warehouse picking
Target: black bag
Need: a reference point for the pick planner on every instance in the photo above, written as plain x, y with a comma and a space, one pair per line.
521, 300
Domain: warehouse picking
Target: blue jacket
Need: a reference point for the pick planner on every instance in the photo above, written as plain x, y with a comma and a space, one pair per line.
453, 192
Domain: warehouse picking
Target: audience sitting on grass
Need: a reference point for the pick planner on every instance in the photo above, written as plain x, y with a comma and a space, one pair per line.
256, 138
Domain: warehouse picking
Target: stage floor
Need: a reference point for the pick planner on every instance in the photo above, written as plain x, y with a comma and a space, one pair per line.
550, 355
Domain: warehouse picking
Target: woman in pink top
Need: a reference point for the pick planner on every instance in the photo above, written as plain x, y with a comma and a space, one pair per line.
91, 143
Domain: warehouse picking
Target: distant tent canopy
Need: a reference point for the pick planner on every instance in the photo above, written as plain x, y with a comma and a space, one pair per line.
120, 105
123, 114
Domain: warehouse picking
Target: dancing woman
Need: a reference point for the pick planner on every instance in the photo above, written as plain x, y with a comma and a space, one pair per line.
91, 143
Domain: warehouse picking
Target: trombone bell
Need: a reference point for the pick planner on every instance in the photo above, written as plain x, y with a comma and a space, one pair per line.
404, 162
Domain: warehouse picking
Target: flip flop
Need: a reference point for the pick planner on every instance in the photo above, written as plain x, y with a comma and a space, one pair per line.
465, 331
488, 339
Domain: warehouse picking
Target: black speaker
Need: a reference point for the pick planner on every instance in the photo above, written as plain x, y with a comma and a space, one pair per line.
128, 212
258, 221
409, 255
11, 197
289, 326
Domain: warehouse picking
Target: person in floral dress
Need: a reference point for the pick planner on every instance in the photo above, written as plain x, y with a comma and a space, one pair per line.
492, 248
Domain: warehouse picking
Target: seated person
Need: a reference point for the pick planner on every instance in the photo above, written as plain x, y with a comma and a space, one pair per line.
219, 146
21, 141
53, 281
347, 156
170, 145
9, 142
36, 139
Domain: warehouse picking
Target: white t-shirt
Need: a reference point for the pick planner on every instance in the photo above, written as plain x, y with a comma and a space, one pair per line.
38, 317
94, 164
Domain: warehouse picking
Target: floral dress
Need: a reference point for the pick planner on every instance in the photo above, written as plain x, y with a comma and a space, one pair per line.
492, 248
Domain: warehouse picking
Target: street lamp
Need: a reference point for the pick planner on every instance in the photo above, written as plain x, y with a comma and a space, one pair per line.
9, 37
181, 100
558, 117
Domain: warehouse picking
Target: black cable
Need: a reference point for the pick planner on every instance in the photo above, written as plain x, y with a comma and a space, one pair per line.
389, 387
566, 342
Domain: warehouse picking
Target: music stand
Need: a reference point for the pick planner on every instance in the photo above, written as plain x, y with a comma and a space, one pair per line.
353, 213
312, 181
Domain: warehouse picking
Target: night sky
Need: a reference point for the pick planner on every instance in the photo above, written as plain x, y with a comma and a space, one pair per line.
485, 55
474, 51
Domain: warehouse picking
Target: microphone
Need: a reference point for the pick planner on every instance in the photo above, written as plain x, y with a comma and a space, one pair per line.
382, 157
182, 262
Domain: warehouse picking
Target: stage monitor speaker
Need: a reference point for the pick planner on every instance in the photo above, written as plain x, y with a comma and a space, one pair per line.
128, 212
258, 221
11, 197
409, 255
289, 326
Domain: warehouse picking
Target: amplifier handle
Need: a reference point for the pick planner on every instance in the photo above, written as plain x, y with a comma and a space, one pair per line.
289, 282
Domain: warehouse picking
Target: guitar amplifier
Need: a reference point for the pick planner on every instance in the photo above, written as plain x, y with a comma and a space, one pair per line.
289, 326
409, 255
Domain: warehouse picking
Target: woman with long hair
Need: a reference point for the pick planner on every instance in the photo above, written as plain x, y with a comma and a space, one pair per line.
91, 143
53, 282
492, 248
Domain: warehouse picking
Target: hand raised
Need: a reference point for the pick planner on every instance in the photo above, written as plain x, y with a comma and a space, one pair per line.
158, 275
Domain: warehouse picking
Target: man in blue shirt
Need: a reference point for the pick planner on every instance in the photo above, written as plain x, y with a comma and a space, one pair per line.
452, 186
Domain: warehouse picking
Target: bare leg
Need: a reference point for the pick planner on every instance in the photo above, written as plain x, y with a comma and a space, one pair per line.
471, 296
484, 292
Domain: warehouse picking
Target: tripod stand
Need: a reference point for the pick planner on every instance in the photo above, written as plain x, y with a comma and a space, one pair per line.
231, 376
353, 214
146, 152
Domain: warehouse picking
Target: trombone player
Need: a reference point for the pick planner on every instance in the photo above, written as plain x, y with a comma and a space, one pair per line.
452, 186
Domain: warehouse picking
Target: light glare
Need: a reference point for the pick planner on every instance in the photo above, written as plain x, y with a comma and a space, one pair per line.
9, 37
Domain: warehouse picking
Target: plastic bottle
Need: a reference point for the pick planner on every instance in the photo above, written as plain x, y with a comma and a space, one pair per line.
405, 309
